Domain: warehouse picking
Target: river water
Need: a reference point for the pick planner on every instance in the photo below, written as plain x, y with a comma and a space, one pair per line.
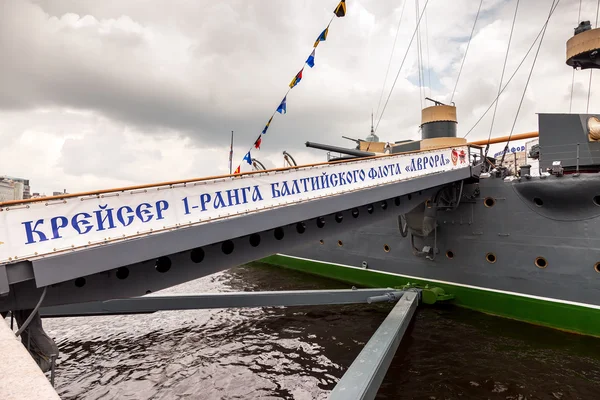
301, 352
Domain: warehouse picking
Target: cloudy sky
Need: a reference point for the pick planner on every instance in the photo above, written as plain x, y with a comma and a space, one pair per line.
99, 94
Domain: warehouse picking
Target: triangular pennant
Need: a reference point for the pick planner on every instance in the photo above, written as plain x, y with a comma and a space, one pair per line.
340, 10
258, 142
248, 158
311, 59
322, 37
237, 170
282, 109
296, 79
267, 126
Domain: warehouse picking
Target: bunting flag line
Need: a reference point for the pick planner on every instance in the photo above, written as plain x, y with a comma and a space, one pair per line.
340, 10
322, 37
310, 61
248, 158
296, 79
264, 131
282, 109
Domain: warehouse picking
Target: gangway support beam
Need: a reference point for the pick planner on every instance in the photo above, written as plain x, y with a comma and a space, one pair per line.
363, 378
153, 303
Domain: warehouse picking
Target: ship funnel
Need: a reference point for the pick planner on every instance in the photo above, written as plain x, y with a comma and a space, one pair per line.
583, 49
438, 121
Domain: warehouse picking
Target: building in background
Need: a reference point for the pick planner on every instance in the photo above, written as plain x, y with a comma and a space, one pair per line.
23, 188
59, 193
7, 190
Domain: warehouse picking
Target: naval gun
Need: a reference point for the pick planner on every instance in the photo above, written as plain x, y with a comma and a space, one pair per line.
357, 141
342, 150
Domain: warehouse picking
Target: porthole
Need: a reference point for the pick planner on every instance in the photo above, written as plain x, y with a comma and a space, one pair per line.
397, 201
300, 227
355, 213
384, 205
197, 255
122, 273
320, 222
227, 247
541, 262
163, 264
490, 257
80, 282
489, 202
386, 248
597, 267
340, 243
278, 233
254, 240
409, 196
321, 241
596, 200
538, 202
370, 209
450, 254
339, 217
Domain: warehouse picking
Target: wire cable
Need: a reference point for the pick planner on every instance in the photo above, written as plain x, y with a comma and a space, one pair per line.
527, 83
511, 78
512, 28
401, 65
587, 107
391, 55
466, 51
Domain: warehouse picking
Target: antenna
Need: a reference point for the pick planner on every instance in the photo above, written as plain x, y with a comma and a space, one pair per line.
231, 153
372, 131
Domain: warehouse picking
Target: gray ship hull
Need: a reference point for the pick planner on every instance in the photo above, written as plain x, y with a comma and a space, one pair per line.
532, 239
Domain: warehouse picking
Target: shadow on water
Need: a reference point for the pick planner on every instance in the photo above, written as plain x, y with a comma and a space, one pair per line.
301, 352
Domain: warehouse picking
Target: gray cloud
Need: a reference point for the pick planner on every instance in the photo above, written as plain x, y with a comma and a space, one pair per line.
177, 76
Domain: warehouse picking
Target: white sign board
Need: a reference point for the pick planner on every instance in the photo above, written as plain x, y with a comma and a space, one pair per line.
31, 230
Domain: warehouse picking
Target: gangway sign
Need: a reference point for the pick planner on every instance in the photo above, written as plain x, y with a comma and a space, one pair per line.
29, 230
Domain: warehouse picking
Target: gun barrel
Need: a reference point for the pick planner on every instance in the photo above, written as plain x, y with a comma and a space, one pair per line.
343, 150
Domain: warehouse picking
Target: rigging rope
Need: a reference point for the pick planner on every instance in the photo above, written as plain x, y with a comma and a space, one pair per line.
513, 75
419, 55
573, 77
467, 49
391, 55
587, 108
512, 28
400, 69
527, 83
428, 63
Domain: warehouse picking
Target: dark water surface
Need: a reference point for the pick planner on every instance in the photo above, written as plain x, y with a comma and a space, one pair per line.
301, 352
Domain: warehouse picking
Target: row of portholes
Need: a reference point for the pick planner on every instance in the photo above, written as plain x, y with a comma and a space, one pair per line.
163, 264
491, 202
386, 248
539, 262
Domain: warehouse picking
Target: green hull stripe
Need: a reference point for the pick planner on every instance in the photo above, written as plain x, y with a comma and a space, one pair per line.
567, 317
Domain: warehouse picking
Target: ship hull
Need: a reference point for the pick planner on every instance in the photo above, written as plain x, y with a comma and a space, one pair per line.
527, 250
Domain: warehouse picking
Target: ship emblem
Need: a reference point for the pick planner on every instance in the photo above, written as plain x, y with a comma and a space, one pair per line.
462, 157
454, 156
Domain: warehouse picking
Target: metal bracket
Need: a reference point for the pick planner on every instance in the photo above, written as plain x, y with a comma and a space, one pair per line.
363, 378
153, 303
4, 287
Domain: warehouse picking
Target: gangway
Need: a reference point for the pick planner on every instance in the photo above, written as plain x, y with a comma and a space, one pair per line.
106, 252
133, 241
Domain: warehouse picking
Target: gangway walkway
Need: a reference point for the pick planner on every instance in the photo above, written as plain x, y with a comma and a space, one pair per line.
130, 242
